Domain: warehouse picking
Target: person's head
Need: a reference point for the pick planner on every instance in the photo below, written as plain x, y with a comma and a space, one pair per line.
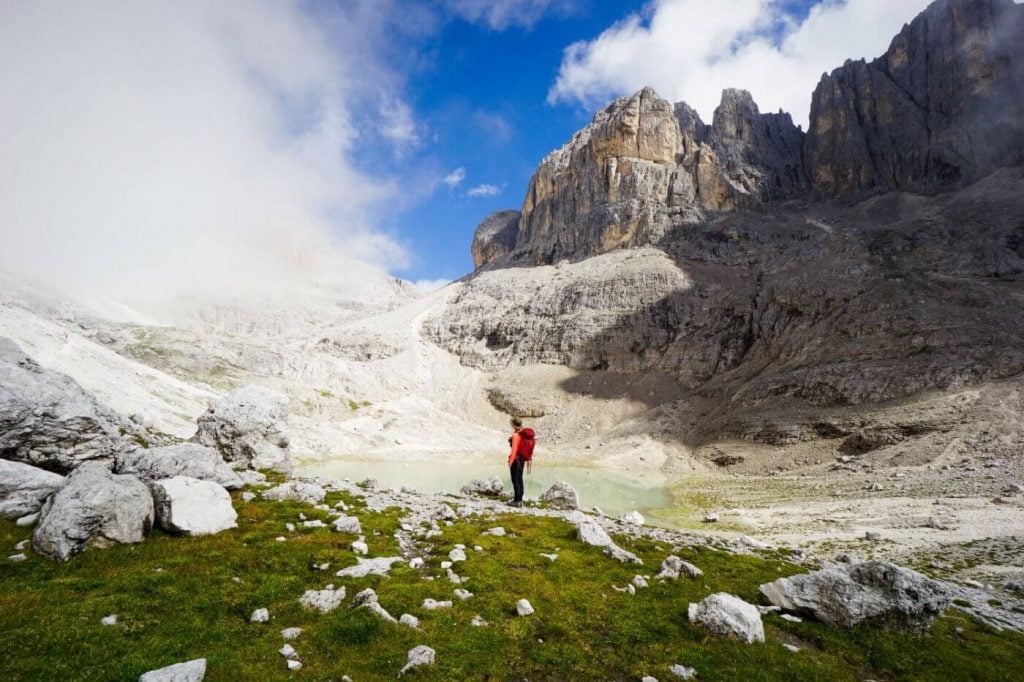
516, 423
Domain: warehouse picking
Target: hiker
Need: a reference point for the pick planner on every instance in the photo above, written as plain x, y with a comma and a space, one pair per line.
521, 455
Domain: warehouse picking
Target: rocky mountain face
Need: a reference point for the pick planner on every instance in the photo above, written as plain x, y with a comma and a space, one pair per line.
788, 284
943, 108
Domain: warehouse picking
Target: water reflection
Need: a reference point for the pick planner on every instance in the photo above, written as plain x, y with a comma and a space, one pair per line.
613, 491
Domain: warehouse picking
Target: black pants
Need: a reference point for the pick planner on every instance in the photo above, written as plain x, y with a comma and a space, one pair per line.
517, 479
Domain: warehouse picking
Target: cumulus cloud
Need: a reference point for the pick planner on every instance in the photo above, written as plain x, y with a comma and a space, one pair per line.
502, 14
455, 178
485, 191
690, 50
162, 148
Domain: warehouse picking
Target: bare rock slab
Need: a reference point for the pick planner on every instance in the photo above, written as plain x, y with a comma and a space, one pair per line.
590, 532
325, 600
365, 567
24, 488
190, 671
874, 592
95, 508
190, 506
728, 616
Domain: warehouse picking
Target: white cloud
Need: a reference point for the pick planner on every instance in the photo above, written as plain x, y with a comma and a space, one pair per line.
485, 191
502, 14
397, 125
455, 178
163, 148
431, 284
691, 50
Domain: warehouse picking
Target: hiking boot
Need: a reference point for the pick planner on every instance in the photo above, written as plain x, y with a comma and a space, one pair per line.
516, 503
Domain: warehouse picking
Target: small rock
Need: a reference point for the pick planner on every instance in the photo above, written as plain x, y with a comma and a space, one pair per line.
523, 608
190, 671
631, 588
433, 605
497, 532
445, 565
109, 620
724, 614
325, 600
463, 594
280, 538
478, 622
419, 656
23, 545
410, 620
17, 558
360, 547
872, 536
633, 518
792, 648
291, 633
683, 672
315, 523
477, 548
561, 495
290, 527
288, 651
260, 616
365, 567
347, 524
293, 664
457, 554
791, 618
248, 496
549, 557
648, 678
639, 581
27, 520
416, 562
711, 518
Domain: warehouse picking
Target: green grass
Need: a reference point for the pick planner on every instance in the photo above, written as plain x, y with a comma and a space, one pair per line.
582, 629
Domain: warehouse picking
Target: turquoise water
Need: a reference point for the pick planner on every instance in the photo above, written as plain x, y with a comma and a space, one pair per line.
614, 492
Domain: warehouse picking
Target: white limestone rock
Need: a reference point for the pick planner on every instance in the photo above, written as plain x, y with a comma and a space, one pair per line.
589, 532
24, 488
683, 672
490, 487
47, 420
457, 555
633, 518
726, 615
410, 621
463, 594
291, 633
190, 671
325, 600
296, 490
417, 657
524, 608
249, 427
192, 507
95, 508
561, 495
185, 459
432, 604
365, 567
260, 616
497, 531
347, 524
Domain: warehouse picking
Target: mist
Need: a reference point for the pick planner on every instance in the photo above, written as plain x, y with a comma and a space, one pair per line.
150, 150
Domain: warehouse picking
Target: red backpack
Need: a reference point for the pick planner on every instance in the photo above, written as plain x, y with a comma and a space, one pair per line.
526, 445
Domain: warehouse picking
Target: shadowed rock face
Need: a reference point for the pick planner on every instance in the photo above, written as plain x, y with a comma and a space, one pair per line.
943, 107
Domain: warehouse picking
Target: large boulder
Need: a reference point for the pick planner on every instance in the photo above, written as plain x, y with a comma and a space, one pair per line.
728, 616
561, 495
185, 459
872, 592
95, 508
495, 238
192, 507
47, 420
248, 428
296, 491
24, 488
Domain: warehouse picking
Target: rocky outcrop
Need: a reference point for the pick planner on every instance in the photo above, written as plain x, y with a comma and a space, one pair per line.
873, 592
185, 459
47, 420
24, 488
495, 238
94, 509
189, 506
644, 164
943, 107
248, 428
